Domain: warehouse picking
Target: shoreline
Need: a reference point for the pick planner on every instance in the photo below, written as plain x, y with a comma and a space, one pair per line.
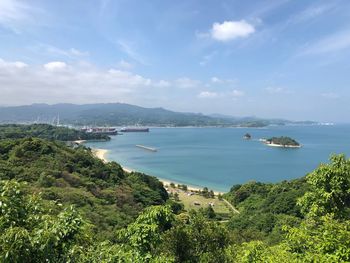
282, 146
101, 154
79, 141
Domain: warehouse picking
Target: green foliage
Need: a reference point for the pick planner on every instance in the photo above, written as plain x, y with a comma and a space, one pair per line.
208, 212
327, 240
330, 189
206, 193
264, 208
144, 234
196, 240
29, 233
182, 187
46, 131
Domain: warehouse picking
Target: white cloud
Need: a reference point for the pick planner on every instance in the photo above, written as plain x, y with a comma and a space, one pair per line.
58, 81
223, 82
19, 64
311, 13
55, 51
236, 93
207, 95
333, 43
187, 83
13, 11
216, 80
78, 53
55, 66
277, 90
229, 94
125, 65
330, 95
128, 78
129, 49
207, 58
18, 15
162, 84
16, 64
230, 30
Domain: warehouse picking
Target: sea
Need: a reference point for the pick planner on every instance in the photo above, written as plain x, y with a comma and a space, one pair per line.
219, 158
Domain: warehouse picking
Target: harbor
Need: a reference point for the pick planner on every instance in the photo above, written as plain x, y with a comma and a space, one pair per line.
113, 130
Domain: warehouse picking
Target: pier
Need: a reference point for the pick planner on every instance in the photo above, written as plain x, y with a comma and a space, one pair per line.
146, 148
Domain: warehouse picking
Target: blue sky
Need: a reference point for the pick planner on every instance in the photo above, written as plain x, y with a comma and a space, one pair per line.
282, 58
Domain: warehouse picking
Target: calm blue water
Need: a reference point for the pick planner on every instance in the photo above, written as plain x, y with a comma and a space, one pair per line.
219, 158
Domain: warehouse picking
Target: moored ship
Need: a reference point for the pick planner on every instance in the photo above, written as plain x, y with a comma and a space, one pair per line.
137, 129
101, 130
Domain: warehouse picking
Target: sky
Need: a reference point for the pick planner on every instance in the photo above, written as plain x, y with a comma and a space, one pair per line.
266, 58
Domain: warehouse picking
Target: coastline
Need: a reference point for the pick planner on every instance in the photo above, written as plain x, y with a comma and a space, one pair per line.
79, 141
101, 154
282, 146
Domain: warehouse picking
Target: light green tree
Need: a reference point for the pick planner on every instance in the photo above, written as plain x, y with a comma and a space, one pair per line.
29, 233
330, 189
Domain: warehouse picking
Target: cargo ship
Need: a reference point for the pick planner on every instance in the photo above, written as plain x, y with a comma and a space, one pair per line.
135, 129
101, 130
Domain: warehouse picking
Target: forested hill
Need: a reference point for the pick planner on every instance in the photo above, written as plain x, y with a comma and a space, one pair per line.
120, 114
46, 131
103, 193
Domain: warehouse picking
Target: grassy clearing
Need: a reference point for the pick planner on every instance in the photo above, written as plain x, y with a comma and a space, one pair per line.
189, 201
193, 200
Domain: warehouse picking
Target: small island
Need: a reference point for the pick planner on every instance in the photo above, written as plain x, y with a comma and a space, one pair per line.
247, 136
282, 141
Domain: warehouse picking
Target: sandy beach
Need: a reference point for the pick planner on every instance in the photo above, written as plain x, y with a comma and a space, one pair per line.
283, 146
101, 154
80, 141
189, 187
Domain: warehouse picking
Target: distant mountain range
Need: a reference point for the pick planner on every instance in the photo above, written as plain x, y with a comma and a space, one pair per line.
120, 114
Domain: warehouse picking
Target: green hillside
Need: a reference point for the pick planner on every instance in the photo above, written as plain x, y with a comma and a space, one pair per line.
102, 193
61, 204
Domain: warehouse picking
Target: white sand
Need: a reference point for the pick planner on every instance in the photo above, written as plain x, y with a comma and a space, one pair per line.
101, 154
282, 146
80, 141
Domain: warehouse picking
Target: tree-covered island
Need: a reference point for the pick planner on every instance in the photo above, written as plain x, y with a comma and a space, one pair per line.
247, 136
282, 142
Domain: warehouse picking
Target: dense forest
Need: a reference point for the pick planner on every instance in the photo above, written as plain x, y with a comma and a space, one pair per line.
46, 131
283, 141
61, 204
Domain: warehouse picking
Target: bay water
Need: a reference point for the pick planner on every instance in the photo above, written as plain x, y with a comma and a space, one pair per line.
219, 157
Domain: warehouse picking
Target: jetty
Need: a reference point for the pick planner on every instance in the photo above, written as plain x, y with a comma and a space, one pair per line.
146, 148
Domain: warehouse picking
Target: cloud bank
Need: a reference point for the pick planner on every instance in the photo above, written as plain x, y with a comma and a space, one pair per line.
230, 30
57, 81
